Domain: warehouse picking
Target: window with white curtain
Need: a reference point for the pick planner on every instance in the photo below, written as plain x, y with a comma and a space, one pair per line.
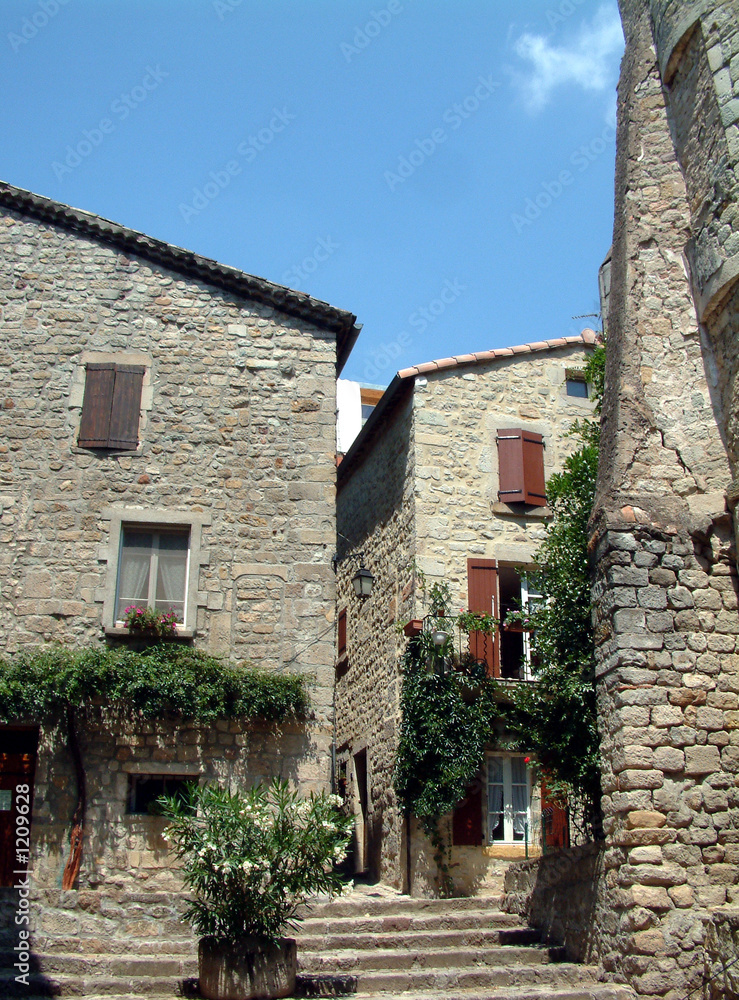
153, 558
508, 799
152, 570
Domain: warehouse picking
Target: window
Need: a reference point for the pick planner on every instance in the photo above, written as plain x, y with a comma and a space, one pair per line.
341, 634
152, 570
508, 819
495, 588
577, 387
521, 467
145, 789
369, 399
111, 406
154, 558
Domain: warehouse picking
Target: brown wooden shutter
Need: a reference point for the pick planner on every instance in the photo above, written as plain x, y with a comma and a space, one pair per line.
521, 467
341, 639
482, 598
533, 468
126, 408
96, 406
111, 406
467, 817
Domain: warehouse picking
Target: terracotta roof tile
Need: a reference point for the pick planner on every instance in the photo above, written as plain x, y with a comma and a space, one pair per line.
586, 337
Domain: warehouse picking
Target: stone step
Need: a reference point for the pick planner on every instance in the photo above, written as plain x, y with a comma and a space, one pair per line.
454, 937
594, 991
485, 979
45, 945
380, 959
362, 906
45, 986
131, 966
403, 923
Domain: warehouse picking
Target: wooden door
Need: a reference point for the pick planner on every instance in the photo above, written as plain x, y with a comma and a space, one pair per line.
17, 768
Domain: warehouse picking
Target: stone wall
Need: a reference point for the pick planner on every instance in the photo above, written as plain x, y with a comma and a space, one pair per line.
125, 850
376, 518
721, 970
562, 893
666, 586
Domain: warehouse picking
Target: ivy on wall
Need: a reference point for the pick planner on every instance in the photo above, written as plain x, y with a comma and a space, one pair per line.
163, 678
446, 723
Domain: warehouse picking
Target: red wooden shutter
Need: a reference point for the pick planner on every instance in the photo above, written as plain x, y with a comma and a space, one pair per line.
96, 406
341, 640
126, 408
482, 598
521, 467
556, 827
533, 468
467, 817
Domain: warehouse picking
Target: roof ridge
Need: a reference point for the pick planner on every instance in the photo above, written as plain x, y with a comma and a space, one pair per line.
587, 336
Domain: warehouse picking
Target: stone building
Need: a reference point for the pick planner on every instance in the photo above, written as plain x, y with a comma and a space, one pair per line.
664, 545
446, 477
164, 418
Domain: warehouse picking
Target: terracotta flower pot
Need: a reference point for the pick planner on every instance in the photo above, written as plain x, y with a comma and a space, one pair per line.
249, 969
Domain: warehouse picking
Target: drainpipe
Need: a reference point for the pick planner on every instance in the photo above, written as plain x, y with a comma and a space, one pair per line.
408, 860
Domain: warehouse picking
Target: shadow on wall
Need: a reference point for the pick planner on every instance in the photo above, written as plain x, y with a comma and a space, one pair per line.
561, 893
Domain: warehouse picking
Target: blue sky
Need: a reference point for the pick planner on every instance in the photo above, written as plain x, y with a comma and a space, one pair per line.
442, 169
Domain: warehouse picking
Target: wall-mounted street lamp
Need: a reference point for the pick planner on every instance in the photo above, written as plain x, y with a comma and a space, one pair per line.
362, 580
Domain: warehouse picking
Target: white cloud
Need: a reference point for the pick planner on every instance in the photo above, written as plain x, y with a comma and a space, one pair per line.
588, 61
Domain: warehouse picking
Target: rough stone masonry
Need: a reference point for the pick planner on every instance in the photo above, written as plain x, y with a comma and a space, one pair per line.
664, 542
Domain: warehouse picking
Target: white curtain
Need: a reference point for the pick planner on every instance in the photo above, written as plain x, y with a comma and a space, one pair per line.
133, 581
495, 795
519, 795
172, 574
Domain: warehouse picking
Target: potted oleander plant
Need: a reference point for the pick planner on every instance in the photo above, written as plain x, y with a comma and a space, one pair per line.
251, 859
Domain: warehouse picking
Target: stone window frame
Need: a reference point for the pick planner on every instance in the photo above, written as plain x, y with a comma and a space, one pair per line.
77, 393
156, 517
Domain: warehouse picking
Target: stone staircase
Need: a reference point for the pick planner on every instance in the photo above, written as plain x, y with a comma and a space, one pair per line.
118, 945
461, 949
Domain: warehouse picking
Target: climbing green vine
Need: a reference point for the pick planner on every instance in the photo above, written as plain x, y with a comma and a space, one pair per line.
164, 678
447, 715
556, 718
